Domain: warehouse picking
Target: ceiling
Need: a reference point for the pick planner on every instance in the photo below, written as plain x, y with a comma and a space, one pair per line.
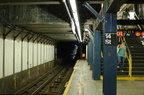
60, 31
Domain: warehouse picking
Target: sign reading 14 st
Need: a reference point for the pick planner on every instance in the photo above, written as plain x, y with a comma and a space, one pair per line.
110, 38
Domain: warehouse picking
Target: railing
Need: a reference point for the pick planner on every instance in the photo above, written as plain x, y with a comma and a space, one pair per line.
129, 57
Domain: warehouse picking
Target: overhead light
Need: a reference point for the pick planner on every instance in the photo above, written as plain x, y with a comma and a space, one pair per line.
72, 22
73, 5
75, 16
73, 27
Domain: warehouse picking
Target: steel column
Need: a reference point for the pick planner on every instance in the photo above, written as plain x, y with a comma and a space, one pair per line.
91, 54
97, 55
110, 56
88, 53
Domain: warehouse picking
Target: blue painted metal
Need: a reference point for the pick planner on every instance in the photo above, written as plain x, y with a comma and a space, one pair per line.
92, 43
93, 11
110, 56
97, 55
88, 53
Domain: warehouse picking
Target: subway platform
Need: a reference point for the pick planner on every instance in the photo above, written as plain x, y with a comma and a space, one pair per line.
81, 83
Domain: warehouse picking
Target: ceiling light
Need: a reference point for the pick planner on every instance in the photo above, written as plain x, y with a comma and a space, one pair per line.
75, 16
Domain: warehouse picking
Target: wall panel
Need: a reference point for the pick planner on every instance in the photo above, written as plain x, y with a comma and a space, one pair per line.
1, 56
24, 55
30, 54
17, 55
52, 52
35, 54
42, 54
39, 54
45, 53
48, 52
8, 67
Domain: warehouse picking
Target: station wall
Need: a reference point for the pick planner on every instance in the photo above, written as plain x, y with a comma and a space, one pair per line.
17, 55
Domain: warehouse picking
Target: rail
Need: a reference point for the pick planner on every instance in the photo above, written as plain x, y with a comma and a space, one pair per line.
51, 83
128, 56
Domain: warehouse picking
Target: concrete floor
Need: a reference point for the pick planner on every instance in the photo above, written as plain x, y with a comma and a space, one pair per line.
83, 84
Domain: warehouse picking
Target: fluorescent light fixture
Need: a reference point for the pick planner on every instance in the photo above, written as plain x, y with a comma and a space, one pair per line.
73, 5
75, 16
73, 27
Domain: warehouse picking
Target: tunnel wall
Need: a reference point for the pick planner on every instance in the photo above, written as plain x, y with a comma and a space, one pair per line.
22, 61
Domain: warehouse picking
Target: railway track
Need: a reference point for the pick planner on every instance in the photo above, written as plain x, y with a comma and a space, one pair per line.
52, 83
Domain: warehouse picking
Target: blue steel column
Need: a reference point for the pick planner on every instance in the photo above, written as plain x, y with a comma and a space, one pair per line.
91, 54
97, 57
88, 53
110, 56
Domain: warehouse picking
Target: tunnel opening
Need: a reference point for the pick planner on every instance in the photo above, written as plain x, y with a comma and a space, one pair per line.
68, 52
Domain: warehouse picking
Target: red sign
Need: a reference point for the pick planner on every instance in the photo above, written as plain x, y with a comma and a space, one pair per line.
120, 33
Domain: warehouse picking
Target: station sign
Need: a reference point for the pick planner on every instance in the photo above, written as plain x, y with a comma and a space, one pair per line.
110, 39
120, 33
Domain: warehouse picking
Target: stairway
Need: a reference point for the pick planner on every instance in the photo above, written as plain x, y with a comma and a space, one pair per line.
119, 73
137, 52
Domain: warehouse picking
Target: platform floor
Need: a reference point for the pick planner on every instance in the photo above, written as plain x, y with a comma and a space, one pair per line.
81, 83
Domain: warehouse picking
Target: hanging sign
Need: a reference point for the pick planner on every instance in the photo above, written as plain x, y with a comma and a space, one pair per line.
110, 39
120, 33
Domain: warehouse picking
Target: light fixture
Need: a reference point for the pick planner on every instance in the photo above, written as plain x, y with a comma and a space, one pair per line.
73, 27
75, 16
72, 22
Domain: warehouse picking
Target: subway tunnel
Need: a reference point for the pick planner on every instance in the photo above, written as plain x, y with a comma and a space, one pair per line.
42, 41
35, 37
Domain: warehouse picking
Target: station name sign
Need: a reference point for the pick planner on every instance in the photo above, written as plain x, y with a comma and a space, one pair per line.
111, 38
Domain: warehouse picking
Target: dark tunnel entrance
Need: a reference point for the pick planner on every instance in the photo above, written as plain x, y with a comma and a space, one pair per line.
68, 52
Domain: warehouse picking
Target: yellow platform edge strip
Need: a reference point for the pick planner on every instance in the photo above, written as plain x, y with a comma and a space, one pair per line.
126, 78
70, 80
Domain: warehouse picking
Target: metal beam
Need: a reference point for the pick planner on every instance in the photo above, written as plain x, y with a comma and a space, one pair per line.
110, 6
31, 37
18, 34
93, 11
5, 34
25, 36
31, 3
36, 38
98, 24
